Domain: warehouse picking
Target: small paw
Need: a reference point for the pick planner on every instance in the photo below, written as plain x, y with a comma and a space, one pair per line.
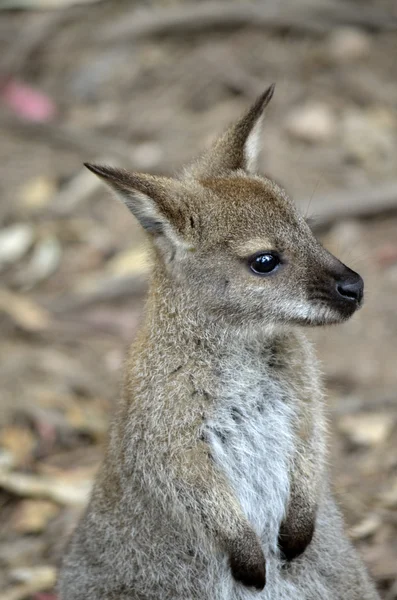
248, 566
293, 543
249, 575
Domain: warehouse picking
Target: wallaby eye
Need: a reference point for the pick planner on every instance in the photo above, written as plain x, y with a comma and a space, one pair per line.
261, 264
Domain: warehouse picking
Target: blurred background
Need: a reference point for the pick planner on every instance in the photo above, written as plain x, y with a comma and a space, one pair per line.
148, 85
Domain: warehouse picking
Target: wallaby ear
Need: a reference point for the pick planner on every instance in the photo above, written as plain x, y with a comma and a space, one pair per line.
149, 198
239, 147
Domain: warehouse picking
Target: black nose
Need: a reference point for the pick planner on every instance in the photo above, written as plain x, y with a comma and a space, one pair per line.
352, 290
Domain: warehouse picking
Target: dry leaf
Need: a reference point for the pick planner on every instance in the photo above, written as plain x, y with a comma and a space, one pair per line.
36, 193
7, 460
32, 516
35, 579
15, 241
130, 262
44, 262
19, 441
389, 498
313, 123
366, 527
366, 429
24, 311
87, 419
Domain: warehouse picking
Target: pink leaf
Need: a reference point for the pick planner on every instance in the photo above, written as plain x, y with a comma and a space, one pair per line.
27, 102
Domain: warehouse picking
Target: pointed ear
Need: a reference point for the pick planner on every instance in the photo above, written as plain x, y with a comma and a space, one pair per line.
149, 198
239, 147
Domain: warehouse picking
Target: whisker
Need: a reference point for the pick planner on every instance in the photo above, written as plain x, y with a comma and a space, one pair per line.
314, 191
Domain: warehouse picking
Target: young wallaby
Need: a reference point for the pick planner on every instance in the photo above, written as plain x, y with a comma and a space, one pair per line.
214, 485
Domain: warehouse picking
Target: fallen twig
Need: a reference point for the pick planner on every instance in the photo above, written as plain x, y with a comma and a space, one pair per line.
81, 188
354, 405
356, 203
304, 16
112, 288
36, 486
222, 66
29, 41
86, 142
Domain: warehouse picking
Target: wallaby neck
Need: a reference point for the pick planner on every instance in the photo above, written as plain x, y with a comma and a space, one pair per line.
174, 318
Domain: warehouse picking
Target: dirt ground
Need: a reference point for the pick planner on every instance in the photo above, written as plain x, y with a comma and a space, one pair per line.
80, 84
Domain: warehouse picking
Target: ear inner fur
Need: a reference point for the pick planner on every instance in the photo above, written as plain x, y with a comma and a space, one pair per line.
239, 147
146, 196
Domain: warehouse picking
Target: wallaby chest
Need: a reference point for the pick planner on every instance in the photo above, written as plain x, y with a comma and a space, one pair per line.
251, 436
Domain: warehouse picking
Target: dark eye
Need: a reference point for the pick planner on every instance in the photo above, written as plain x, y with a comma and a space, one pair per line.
262, 264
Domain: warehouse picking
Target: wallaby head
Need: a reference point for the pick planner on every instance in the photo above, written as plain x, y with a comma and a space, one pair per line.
230, 243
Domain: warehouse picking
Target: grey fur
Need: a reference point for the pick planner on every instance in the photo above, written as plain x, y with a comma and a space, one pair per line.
215, 470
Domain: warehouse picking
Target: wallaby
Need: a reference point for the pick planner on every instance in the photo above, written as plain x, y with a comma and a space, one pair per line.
214, 484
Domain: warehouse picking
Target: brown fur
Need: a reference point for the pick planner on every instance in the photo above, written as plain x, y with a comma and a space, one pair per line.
214, 473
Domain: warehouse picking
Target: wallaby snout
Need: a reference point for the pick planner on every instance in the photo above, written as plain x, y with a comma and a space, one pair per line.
351, 289
337, 293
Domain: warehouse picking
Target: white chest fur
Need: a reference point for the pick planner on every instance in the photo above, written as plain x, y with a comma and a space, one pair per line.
250, 434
